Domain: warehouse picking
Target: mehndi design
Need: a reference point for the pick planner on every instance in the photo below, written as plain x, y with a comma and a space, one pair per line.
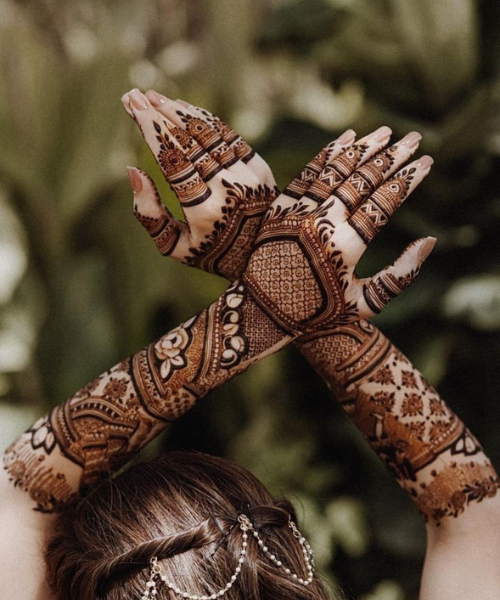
104, 424
223, 199
434, 457
299, 279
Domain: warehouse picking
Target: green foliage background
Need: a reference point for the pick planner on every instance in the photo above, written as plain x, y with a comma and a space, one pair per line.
81, 286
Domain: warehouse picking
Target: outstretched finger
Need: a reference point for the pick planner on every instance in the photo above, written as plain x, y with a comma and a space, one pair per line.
160, 135
247, 155
242, 150
208, 137
375, 212
383, 287
339, 168
303, 181
370, 175
170, 235
205, 164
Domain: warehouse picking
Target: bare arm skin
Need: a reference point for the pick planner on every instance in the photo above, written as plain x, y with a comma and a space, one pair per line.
311, 286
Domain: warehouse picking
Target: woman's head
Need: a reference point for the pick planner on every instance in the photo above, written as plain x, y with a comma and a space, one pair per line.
183, 509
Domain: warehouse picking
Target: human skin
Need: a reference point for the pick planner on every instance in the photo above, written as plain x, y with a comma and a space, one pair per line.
99, 428
430, 451
86, 467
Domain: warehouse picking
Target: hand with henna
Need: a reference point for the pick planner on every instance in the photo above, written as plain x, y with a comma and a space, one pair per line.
432, 454
306, 255
223, 186
349, 176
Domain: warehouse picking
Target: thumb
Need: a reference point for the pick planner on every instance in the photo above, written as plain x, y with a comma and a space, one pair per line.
383, 287
153, 215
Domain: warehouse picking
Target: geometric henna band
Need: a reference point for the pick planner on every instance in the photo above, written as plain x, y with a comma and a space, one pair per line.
245, 525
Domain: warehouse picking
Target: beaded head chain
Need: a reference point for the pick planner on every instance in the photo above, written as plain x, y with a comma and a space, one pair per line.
245, 524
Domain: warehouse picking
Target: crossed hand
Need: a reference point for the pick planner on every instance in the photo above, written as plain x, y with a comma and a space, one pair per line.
295, 252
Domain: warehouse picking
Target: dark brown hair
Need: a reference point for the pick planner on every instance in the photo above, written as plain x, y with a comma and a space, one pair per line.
181, 507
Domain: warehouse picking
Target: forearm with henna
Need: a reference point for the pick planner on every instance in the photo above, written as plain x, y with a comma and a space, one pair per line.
109, 420
299, 279
430, 451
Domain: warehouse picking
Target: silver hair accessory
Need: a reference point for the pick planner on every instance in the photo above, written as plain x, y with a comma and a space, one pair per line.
245, 525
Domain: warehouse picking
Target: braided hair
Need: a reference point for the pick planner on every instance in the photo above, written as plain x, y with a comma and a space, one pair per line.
181, 508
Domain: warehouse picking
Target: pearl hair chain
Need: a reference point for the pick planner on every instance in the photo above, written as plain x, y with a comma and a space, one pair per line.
245, 525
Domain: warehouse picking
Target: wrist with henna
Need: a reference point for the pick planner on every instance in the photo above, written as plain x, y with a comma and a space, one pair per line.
432, 454
109, 420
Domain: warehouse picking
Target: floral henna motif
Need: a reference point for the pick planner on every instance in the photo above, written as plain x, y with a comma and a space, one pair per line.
108, 421
26, 463
430, 451
185, 180
28, 468
209, 138
171, 348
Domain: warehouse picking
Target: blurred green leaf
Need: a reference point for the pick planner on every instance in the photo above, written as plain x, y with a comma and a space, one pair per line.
475, 300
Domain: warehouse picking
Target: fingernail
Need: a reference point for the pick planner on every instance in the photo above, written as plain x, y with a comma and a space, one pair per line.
381, 133
155, 98
138, 100
135, 179
184, 103
426, 248
347, 137
425, 162
411, 140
